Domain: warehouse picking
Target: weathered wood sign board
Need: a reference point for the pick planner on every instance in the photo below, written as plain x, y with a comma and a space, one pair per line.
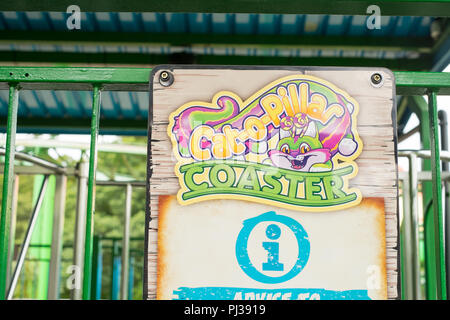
272, 183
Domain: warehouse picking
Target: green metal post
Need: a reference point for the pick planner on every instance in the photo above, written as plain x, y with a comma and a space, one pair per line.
8, 178
42, 235
12, 230
88, 241
441, 293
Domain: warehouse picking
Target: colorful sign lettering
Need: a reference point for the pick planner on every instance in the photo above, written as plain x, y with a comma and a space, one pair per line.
292, 144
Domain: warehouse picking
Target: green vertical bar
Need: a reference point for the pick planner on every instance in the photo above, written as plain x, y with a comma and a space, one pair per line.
437, 198
42, 235
88, 242
12, 228
8, 176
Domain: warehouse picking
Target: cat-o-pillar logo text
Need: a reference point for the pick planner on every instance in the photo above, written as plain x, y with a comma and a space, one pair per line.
292, 144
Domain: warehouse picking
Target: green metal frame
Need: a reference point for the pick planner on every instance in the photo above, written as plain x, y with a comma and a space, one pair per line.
437, 197
136, 79
8, 176
88, 246
419, 106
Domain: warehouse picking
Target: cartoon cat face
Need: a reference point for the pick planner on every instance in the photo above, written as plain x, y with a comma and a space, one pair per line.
301, 153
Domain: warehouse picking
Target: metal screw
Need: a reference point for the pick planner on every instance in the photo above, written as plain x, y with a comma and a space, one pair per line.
166, 78
376, 78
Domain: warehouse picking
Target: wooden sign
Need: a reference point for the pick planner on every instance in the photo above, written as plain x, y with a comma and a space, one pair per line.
272, 183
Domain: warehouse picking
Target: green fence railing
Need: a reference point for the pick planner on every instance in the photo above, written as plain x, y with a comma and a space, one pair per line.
136, 79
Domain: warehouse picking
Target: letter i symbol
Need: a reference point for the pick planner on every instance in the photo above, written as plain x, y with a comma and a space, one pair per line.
273, 232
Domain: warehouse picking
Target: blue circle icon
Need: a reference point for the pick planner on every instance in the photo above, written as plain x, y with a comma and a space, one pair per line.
273, 232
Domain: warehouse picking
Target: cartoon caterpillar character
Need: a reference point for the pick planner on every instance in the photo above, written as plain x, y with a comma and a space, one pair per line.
302, 148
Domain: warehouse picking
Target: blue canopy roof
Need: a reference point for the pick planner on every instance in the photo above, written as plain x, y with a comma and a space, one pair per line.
102, 29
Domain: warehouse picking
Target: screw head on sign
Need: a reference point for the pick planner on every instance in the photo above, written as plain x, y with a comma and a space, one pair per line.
376, 79
166, 78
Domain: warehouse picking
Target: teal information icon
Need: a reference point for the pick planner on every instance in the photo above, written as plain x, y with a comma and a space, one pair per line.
270, 243
273, 232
